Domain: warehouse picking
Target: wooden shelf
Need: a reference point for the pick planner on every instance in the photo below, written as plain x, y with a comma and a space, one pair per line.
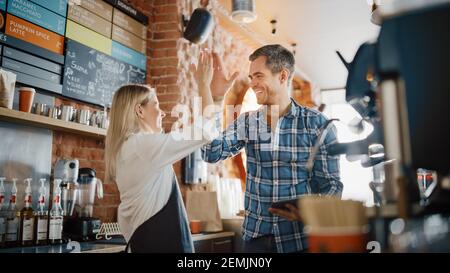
50, 123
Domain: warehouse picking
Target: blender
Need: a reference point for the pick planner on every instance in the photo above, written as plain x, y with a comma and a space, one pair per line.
83, 226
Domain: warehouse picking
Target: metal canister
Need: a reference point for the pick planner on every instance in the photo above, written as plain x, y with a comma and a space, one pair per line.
67, 113
40, 109
84, 116
54, 112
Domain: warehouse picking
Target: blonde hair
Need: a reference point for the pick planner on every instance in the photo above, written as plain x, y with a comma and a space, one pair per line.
123, 121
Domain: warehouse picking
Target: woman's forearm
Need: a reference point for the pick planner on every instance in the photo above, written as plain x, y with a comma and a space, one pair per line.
207, 100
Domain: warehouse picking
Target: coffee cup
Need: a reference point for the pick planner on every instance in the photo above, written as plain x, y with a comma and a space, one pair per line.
26, 97
195, 226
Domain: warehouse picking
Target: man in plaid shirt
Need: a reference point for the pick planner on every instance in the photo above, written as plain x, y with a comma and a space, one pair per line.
278, 139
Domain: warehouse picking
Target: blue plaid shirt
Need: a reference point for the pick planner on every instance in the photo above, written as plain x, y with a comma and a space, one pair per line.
276, 168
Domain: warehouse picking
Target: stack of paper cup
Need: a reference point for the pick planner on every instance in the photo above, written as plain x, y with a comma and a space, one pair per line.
7, 84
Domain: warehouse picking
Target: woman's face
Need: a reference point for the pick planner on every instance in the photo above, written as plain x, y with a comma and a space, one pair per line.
151, 115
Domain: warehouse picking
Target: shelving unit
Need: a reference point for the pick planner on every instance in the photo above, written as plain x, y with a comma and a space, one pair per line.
50, 123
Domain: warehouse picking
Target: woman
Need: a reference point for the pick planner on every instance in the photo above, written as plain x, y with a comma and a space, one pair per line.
139, 159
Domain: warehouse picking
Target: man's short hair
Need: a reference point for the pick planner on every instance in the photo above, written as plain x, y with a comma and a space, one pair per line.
278, 58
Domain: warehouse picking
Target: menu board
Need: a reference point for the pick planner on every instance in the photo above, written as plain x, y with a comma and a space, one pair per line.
37, 15
34, 34
58, 6
93, 77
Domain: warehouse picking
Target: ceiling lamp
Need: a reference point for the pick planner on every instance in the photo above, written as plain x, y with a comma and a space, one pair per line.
243, 11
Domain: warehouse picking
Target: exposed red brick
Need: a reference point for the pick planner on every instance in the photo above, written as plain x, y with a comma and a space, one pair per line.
162, 44
110, 188
108, 200
99, 212
164, 2
167, 18
98, 166
111, 214
97, 154
165, 62
165, 26
166, 35
161, 89
101, 176
169, 97
173, 9
173, 89
171, 71
163, 53
81, 153
168, 80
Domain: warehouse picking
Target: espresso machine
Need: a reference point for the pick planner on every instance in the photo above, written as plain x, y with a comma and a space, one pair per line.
399, 84
80, 225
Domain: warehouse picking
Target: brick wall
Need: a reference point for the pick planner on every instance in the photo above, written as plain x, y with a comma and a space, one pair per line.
168, 56
90, 152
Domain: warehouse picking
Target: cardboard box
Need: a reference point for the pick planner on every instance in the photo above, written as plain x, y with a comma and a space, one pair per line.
37, 15
31, 70
128, 39
58, 6
129, 56
36, 82
90, 20
33, 60
126, 22
99, 7
88, 37
36, 35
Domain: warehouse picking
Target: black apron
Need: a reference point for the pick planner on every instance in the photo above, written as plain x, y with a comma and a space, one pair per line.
165, 232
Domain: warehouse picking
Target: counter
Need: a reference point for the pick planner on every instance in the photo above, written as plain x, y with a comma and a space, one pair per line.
210, 236
115, 245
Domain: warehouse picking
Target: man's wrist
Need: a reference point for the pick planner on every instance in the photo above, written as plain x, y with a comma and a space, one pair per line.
218, 98
203, 87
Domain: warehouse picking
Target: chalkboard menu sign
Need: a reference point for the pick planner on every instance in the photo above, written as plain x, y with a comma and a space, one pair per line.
93, 77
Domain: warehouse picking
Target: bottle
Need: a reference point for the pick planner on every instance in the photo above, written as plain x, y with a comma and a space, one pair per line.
56, 215
27, 218
41, 217
13, 217
2, 213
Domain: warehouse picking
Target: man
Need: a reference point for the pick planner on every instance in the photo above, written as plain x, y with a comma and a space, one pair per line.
278, 139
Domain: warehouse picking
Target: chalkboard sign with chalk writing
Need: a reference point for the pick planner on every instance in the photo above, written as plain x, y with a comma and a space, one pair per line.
93, 77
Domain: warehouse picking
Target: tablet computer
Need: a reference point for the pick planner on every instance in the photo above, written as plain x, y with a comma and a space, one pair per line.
282, 204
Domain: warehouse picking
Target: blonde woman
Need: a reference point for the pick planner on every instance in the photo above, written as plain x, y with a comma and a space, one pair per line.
139, 159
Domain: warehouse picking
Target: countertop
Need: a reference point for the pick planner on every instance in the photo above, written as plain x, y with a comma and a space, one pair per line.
116, 244
209, 236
